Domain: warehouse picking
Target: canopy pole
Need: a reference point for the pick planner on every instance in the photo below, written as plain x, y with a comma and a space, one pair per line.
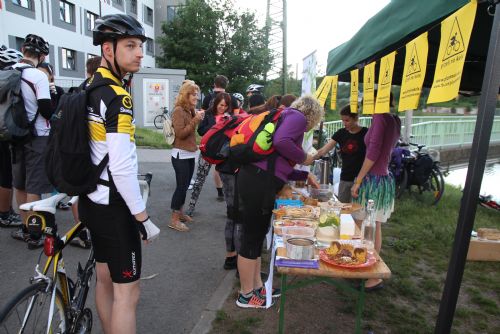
408, 122
477, 161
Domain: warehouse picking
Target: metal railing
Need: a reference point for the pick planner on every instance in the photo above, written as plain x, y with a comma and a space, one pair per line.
434, 131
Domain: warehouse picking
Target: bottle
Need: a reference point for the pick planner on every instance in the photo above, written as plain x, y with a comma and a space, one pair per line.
368, 226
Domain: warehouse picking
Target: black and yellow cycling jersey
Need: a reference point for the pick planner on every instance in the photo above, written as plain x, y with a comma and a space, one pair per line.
112, 131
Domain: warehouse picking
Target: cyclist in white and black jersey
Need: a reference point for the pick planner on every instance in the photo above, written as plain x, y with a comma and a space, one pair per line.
28, 168
115, 213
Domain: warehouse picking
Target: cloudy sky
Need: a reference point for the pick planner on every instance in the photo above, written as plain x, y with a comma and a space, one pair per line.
319, 25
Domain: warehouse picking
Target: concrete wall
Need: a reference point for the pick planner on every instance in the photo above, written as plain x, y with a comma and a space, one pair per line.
144, 110
461, 155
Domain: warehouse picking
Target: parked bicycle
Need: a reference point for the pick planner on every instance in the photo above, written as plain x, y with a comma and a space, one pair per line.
417, 172
53, 302
159, 119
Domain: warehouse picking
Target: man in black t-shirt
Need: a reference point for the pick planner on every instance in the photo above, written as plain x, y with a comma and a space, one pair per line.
352, 151
220, 85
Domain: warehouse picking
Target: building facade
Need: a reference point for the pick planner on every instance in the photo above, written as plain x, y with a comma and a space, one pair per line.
67, 26
165, 11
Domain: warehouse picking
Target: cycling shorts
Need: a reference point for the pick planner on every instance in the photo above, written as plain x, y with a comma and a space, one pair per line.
115, 238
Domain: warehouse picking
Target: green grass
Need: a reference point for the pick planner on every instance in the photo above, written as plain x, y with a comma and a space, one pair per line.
417, 245
150, 138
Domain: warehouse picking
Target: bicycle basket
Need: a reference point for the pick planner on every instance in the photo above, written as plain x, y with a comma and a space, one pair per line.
168, 130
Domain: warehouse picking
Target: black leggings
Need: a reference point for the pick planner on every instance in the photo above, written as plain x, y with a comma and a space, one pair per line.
257, 191
184, 169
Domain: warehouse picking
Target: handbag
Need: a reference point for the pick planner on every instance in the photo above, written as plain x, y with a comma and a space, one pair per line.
168, 130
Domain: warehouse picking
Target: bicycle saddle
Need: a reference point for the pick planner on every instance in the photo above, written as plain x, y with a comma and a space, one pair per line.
47, 205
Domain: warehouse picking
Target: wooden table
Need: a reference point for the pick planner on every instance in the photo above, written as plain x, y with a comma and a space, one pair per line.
328, 273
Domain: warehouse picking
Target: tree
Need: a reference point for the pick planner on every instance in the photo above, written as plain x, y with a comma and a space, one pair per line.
210, 38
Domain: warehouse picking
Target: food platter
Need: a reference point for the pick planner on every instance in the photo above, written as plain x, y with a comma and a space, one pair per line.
370, 261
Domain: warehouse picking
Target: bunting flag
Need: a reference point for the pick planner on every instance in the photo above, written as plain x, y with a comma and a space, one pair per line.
414, 73
354, 90
368, 88
382, 104
333, 96
455, 36
320, 88
326, 90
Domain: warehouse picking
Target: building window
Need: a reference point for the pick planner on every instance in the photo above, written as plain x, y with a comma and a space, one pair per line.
19, 43
68, 59
28, 4
172, 12
149, 46
149, 15
66, 11
91, 17
133, 6
118, 2
90, 56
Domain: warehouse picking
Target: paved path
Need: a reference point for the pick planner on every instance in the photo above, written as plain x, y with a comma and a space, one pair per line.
191, 284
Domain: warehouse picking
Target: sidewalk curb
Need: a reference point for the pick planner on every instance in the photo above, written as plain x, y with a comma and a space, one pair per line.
204, 325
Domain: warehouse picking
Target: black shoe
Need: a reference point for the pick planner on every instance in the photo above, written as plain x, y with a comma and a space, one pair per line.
20, 234
220, 198
34, 244
10, 219
231, 262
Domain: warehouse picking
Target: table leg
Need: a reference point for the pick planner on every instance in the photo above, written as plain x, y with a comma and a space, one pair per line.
282, 304
359, 306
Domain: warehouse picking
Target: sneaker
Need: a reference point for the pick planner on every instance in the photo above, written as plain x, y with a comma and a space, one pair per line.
79, 242
231, 262
63, 206
262, 291
253, 300
21, 234
10, 219
34, 244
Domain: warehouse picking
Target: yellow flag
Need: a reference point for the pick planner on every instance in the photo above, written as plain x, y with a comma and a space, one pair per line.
414, 73
455, 36
320, 88
368, 88
354, 90
333, 97
326, 89
382, 105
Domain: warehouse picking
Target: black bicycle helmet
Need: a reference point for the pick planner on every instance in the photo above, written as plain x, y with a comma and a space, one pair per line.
8, 56
36, 44
116, 26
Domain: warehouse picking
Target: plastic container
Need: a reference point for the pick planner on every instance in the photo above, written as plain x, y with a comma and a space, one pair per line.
323, 194
297, 232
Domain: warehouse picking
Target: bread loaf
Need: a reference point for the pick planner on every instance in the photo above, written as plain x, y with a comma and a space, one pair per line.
488, 233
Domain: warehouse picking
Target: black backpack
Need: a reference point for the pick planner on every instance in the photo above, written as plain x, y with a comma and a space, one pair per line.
67, 156
14, 124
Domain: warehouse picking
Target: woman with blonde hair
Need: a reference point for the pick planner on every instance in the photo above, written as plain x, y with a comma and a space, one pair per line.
184, 120
259, 182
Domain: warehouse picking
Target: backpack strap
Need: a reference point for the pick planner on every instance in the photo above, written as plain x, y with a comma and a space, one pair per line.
100, 168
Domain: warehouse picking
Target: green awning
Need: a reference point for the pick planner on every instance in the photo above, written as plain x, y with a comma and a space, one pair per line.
397, 24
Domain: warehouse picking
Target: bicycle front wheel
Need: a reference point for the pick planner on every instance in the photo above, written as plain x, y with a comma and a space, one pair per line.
28, 312
158, 121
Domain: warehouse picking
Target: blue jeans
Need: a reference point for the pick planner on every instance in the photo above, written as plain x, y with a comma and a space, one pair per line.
184, 169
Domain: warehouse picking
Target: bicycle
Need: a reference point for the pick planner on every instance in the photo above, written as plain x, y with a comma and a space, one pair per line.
417, 172
159, 119
53, 302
